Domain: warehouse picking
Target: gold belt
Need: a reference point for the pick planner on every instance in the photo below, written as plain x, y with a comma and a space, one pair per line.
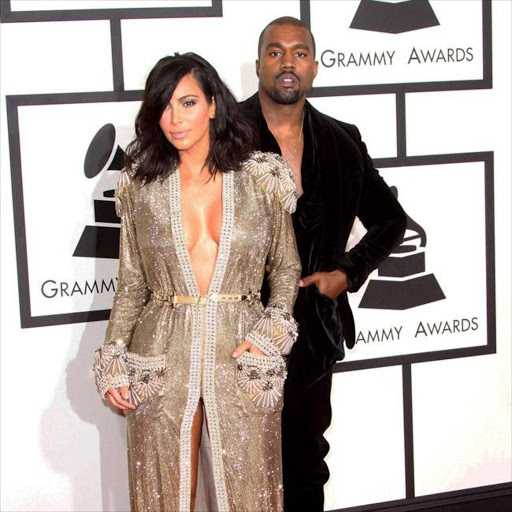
173, 300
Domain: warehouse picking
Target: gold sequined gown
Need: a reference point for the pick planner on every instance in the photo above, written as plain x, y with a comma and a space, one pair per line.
175, 356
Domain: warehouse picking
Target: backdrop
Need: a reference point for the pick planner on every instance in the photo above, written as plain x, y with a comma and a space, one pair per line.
421, 405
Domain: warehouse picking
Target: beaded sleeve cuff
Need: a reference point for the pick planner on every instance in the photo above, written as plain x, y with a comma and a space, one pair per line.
262, 378
109, 366
275, 332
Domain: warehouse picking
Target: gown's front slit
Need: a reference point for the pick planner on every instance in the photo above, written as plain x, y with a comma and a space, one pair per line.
179, 353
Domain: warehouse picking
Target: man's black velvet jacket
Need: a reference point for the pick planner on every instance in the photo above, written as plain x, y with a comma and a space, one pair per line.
340, 183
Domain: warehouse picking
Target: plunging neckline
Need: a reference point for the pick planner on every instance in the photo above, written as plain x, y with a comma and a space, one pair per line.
204, 332
224, 237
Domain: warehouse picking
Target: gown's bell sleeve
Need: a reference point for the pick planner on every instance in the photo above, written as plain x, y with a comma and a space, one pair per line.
276, 331
131, 295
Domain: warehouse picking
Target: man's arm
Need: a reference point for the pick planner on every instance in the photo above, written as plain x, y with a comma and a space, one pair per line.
383, 217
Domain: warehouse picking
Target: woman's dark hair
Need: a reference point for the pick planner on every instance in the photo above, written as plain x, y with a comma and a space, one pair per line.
231, 135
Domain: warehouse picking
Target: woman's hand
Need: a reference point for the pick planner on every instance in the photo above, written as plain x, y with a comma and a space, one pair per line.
119, 398
246, 346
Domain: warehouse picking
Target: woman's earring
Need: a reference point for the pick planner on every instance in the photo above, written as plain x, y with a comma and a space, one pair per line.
212, 116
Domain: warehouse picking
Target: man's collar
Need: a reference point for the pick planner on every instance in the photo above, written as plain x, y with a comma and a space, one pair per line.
253, 105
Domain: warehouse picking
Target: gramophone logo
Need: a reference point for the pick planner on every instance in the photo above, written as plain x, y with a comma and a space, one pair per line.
103, 155
405, 283
394, 17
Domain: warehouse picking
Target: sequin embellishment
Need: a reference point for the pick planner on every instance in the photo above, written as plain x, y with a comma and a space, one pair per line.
210, 311
261, 377
109, 366
194, 380
114, 367
198, 340
275, 332
146, 375
210, 400
123, 180
273, 175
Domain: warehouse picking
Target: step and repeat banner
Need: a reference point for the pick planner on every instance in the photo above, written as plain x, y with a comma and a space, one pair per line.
72, 79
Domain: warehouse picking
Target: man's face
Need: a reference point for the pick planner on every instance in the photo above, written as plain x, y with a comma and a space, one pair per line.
286, 67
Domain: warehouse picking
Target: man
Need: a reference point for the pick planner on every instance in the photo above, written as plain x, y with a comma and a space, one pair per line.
336, 181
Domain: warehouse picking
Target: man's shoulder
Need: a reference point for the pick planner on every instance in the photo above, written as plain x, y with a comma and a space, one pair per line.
324, 121
332, 133
251, 106
323, 124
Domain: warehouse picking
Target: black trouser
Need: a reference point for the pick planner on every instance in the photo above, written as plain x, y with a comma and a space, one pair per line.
306, 416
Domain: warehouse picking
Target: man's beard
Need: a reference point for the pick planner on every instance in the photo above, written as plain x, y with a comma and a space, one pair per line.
286, 97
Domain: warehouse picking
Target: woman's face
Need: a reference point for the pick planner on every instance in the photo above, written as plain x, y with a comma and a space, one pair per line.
185, 121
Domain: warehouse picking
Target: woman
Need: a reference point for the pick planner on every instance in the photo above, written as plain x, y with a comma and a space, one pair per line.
189, 352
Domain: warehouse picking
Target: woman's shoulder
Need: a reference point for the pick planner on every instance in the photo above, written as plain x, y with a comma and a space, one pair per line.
126, 179
272, 174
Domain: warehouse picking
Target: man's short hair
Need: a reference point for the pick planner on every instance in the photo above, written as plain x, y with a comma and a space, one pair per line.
286, 20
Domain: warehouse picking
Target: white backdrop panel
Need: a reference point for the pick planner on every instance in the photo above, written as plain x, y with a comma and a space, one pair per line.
454, 250
462, 418
229, 43
59, 202
463, 114
57, 5
354, 57
51, 57
374, 115
366, 459
67, 444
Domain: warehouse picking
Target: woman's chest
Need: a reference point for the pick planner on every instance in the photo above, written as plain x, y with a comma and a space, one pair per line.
167, 217
201, 211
